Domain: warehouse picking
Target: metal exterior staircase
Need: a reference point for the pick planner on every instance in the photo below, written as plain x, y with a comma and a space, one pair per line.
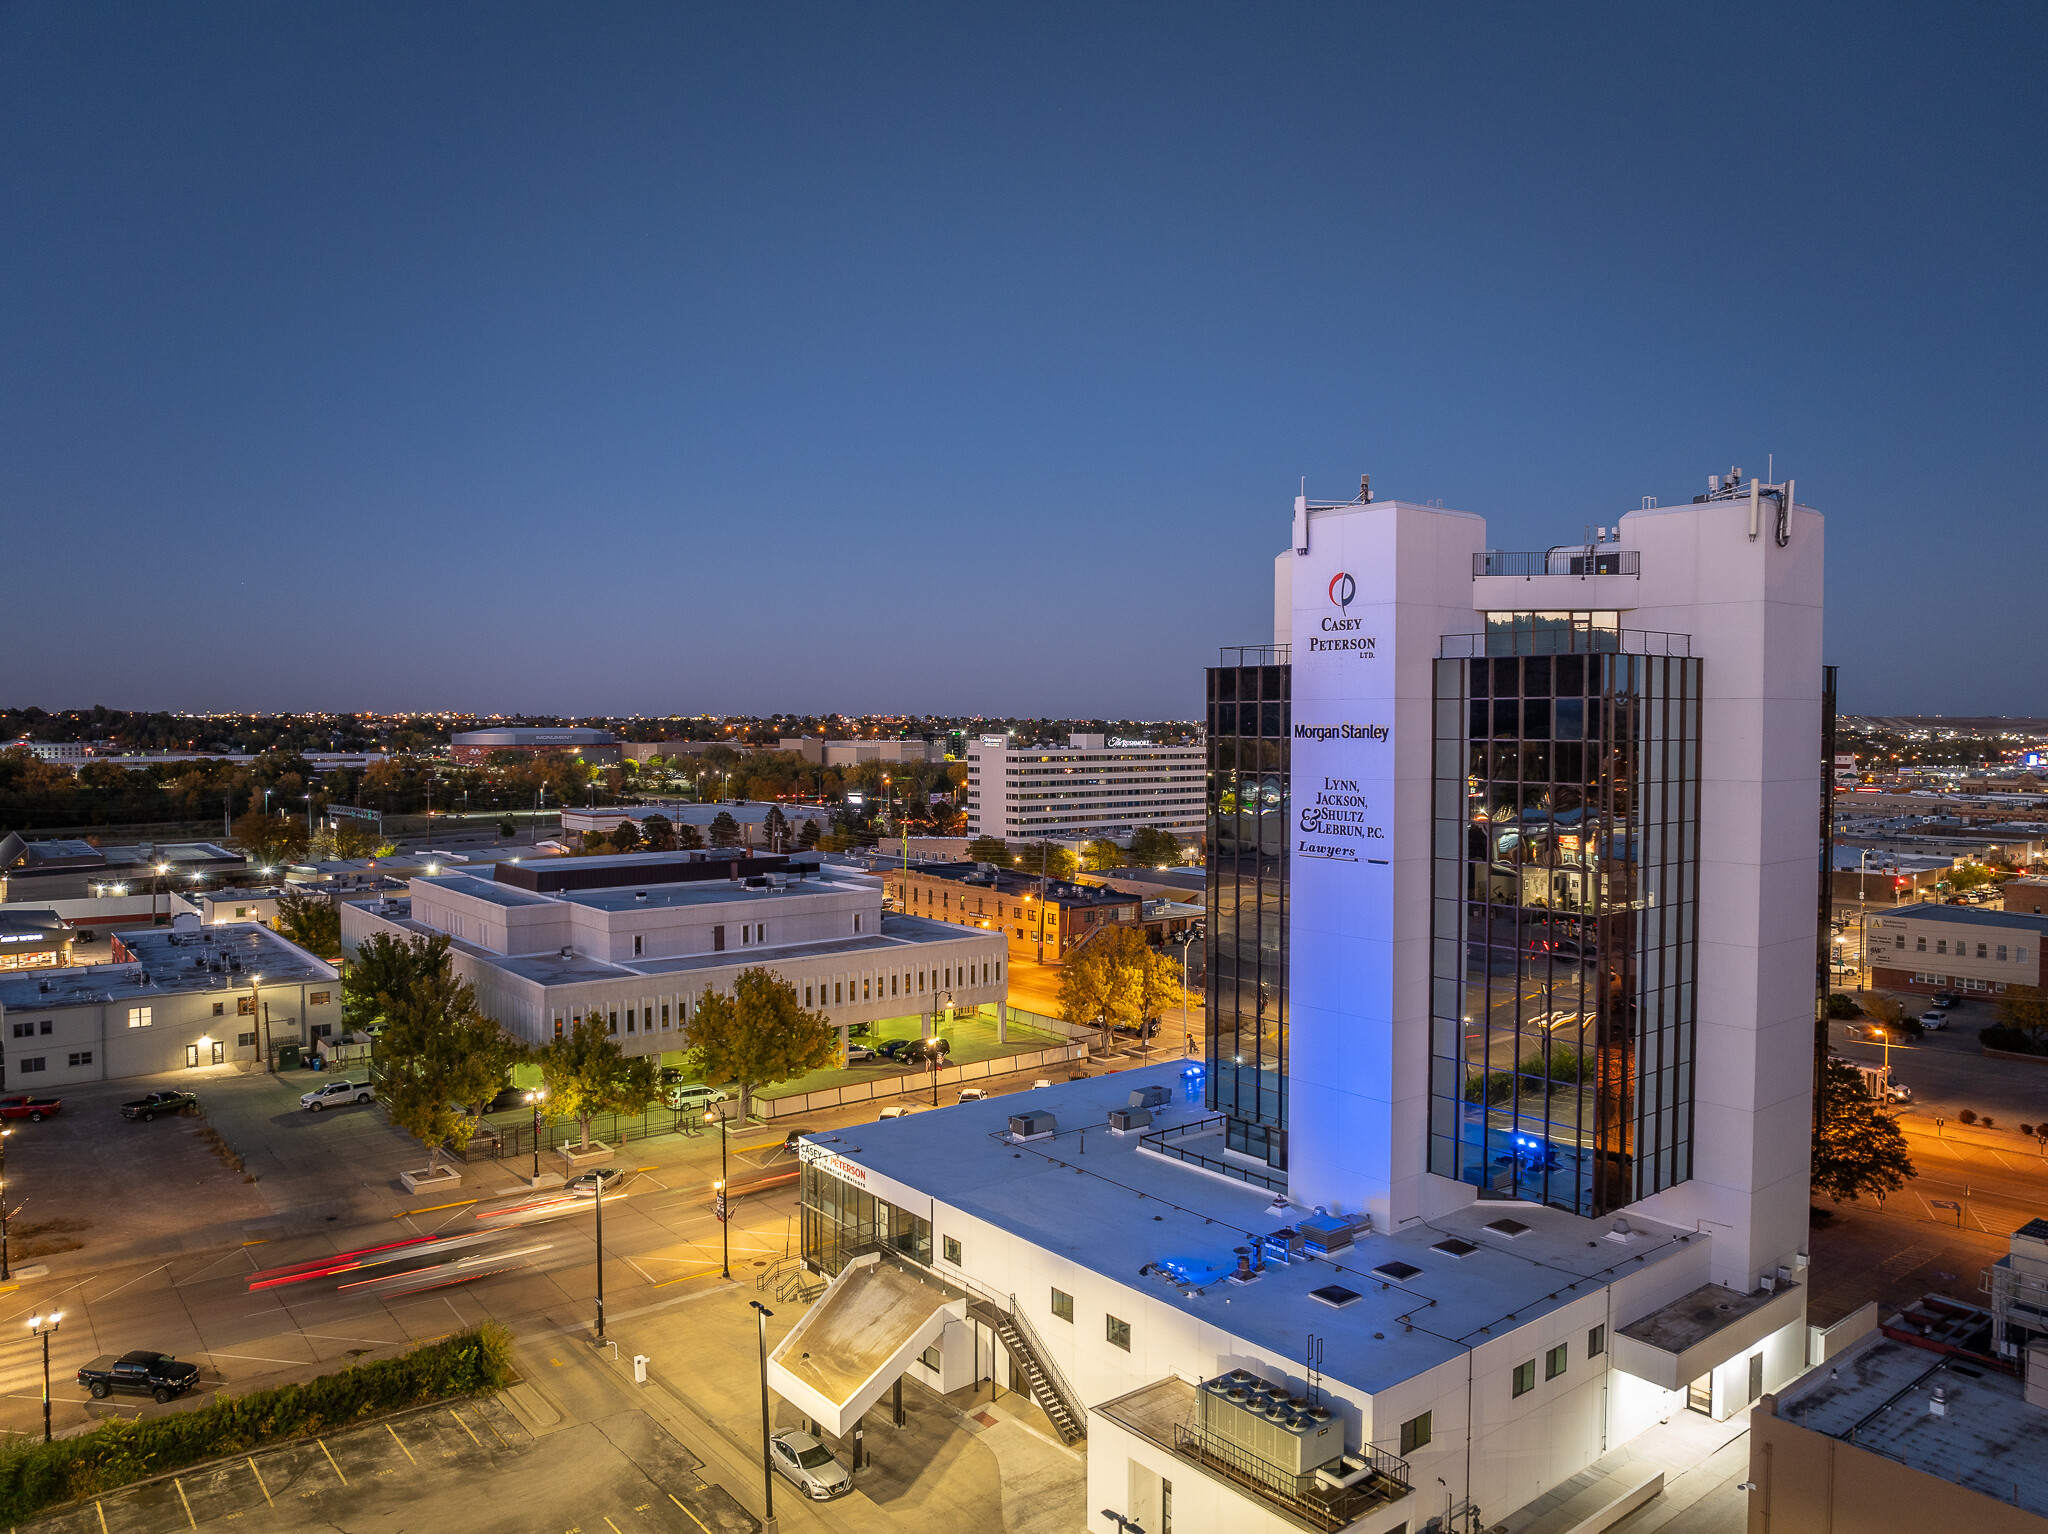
1048, 1387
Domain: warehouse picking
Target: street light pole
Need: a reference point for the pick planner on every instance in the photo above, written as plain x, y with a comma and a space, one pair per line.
761, 1315
1187, 1043
535, 1097
42, 1326
600, 1254
4, 1273
724, 1205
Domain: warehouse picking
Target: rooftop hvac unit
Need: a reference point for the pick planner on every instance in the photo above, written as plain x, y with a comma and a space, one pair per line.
1325, 1233
1037, 1125
1124, 1120
1151, 1097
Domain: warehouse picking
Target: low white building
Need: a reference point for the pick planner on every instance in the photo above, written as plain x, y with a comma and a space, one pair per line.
1087, 788
1471, 1360
177, 997
640, 954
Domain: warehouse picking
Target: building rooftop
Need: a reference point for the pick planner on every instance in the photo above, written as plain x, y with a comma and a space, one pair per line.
1006, 881
1970, 916
707, 892
898, 933
1115, 1209
487, 889
166, 960
1876, 1395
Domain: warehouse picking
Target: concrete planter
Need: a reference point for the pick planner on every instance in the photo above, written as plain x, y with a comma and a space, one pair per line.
545, 1180
598, 1154
430, 1177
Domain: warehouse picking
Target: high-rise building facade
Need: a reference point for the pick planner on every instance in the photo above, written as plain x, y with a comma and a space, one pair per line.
1090, 787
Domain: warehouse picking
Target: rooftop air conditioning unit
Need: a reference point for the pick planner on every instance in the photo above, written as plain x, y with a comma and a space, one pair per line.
1124, 1120
1036, 1125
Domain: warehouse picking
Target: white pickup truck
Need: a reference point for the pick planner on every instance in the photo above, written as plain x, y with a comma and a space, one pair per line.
336, 1093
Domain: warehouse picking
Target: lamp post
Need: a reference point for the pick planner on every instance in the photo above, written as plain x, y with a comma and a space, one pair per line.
599, 1201
4, 1273
1124, 1525
43, 1326
1187, 1043
761, 1315
724, 1209
535, 1097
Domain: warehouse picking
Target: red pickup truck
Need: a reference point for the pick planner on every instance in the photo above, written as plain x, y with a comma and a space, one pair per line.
34, 1109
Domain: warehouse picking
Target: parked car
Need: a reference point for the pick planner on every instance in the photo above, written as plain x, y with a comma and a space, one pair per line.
335, 1093
925, 1052
1946, 999
855, 1053
903, 1110
34, 1109
147, 1108
809, 1466
893, 1048
695, 1095
973, 1094
140, 1373
585, 1184
1929, 1019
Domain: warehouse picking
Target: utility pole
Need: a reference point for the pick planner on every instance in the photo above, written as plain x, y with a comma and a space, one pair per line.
761, 1315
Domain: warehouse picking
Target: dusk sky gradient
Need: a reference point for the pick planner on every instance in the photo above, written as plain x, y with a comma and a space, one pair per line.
612, 358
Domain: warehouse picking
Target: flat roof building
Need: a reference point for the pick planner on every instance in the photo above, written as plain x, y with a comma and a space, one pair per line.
1086, 788
1499, 1152
638, 947
851, 753
70, 869
1044, 924
1966, 949
178, 997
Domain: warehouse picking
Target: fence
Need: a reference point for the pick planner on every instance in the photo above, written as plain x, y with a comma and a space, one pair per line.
512, 1137
1157, 1141
914, 1082
1052, 1025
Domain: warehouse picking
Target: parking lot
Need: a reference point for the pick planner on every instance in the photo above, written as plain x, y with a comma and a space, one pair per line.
456, 1466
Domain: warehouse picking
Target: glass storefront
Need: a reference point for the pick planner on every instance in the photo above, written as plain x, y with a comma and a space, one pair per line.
841, 1222
1249, 720
1564, 919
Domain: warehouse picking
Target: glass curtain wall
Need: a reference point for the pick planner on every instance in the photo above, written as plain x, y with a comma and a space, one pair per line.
1564, 916
841, 1222
1249, 719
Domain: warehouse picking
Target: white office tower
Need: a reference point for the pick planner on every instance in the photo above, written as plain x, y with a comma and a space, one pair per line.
1498, 1155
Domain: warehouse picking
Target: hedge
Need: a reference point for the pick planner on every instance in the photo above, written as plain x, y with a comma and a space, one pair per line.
2013, 1040
33, 1475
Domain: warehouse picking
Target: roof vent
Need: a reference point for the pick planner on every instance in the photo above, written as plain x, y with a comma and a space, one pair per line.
1621, 1232
1507, 1227
1938, 1406
567, 952
1336, 1296
639, 894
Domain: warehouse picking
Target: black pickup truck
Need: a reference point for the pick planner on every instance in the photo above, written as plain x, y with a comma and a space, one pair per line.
141, 1373
158, 1102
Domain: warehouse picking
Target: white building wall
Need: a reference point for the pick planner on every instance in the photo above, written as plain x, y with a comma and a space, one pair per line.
1754, 611
1370, 600
1046, 792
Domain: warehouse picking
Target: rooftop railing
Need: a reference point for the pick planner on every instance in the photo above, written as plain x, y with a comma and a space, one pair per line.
1160, 1140
1563, 640
1568, 559
1256, 655
1323, 1507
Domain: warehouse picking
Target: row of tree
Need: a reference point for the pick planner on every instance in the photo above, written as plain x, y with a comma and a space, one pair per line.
442, 1061
1117, 979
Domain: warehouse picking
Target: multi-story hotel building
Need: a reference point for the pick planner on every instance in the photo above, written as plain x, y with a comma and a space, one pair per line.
1086, 788
1501, 1153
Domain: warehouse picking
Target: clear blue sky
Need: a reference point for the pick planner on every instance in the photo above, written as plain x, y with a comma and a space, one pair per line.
615, 358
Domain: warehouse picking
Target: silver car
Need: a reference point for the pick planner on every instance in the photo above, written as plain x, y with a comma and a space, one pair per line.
809, 1465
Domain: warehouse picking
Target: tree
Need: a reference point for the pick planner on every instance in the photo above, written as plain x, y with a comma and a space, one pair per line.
1030, 858
1971, 876
587, 1074
1860, 1148
267, 840
311, 921
1100, 854
441, 1059
1117, 980
1152, 848
626, 837
660, 833
1842, 1005
758, 1034
689, 838
507, 828
989, 849
385, 967
2024, 1007
807, 838
725, 831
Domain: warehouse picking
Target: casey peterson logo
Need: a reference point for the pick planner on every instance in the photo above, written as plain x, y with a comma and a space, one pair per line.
1342, 589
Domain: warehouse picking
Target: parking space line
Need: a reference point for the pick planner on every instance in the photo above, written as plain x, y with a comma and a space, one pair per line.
690, 1515
103, 1515
486, 1421
610, 1525
465, 1428
402, 1449
185, 1501
330, 1461
259, 1480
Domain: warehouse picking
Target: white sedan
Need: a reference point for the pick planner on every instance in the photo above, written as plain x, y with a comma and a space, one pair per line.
810, 1465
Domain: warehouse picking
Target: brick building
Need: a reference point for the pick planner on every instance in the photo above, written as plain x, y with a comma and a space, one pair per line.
1047, 927
1930, 948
